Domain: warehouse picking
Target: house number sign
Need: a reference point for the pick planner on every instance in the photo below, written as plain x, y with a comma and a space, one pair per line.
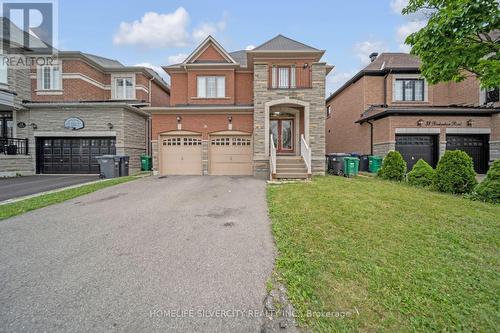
74, 123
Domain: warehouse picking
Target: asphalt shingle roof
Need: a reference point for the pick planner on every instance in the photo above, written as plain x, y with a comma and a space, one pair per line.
240, 57
282, 43
394, 61
104, 62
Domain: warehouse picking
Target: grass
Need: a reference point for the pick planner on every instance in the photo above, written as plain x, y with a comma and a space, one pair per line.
372, 256
23, 206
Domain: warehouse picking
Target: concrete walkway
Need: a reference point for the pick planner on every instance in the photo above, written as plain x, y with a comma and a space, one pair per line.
179, 254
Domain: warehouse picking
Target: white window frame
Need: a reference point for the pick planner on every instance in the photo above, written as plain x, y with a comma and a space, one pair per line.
114, 86
54, 84
409, 77
328, 111
217, 90
482, 96
284, 77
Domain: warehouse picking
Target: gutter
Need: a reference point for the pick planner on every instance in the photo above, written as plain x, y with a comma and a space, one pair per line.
371, 137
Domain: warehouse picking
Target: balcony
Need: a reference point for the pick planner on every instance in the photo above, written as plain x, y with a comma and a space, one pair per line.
13, 146
289, 77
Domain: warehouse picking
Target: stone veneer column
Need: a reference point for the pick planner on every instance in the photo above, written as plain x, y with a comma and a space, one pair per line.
314, 96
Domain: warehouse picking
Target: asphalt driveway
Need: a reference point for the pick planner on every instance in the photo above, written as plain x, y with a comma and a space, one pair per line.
179, 254
27, 185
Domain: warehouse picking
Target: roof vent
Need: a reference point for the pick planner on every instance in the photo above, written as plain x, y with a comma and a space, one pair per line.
373, 56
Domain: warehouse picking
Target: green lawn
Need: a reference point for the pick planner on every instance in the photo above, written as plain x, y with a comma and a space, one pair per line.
395, 258
23, 206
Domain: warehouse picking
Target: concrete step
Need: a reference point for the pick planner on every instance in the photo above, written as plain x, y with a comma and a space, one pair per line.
289, 161
299, 175
291, 169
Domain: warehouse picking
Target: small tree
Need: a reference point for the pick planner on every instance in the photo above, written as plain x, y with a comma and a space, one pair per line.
489, 189
393, 167
421, 175
455, 173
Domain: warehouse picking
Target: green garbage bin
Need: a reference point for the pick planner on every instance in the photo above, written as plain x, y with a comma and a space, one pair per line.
374, 163
146, 163
351, 166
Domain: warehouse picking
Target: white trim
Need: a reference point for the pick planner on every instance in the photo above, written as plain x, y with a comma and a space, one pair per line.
286, 100
468, 131
83, 77
74, 133
48, 92
203, 46
415, 130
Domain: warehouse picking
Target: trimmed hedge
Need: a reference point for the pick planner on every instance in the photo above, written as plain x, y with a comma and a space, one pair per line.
393, 167
421, 175
489, 189
455, 173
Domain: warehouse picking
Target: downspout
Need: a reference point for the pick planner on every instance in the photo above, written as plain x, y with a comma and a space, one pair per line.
385, 86
149, 147
371, 136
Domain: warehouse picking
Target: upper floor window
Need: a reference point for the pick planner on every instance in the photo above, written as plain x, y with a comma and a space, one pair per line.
409, 90
49, 77
211, 86
328, 111
492, 95
283, 77
124, 88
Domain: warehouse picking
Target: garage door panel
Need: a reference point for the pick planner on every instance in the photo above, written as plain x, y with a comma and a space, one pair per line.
181, 155
72, 155
231, 155
415, 147
476, 146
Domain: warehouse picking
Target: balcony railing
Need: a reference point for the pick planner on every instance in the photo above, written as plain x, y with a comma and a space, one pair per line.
13, 146
289, 77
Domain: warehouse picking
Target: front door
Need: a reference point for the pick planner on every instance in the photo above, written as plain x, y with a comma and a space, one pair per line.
282, 131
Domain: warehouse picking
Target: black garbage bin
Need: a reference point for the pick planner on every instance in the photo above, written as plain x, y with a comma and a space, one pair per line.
124, 161
109, 166
336, 163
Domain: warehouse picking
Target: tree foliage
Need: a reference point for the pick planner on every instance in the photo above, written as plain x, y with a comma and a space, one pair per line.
461, 37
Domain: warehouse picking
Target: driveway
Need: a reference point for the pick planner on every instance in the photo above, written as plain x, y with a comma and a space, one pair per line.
179, 254
22, 186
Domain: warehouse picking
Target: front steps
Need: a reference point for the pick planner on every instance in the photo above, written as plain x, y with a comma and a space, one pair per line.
290, 167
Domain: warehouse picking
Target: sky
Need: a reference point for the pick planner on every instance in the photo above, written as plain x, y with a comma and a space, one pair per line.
160, 32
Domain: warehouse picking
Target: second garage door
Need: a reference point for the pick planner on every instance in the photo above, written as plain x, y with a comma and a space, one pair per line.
231, 155
181, 155
415, 147
474, 145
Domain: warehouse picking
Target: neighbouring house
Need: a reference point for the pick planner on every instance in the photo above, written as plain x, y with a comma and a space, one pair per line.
57, 118
250, 112
388, 106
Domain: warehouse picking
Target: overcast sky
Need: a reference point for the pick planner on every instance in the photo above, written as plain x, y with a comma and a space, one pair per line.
160, 32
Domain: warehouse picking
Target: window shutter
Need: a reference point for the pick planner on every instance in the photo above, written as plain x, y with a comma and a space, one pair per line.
201, 87
221, 86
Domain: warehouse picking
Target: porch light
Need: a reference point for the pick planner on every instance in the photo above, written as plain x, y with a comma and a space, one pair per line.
230, 119
33, 126
179, 118
306, 65
110, 126
420, 122
470, 122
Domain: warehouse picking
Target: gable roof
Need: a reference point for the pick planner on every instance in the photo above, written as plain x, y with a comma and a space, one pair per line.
384, 63
282, 43
199, 50
240, 57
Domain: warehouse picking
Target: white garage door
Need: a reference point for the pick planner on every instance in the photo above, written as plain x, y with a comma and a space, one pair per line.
181, 155
231, 155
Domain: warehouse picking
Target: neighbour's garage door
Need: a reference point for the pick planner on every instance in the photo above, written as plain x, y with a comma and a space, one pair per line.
230, 155
72, 155
415, 147
181, 155
474, 145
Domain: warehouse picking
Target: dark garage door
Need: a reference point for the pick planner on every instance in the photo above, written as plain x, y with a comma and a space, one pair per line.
474, 145
72, 155
415, 147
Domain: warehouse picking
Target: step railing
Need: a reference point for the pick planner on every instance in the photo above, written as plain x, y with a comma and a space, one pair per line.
13, 146
272, 157
305, 152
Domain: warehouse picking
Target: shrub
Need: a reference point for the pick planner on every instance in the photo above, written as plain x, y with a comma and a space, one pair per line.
393, 167
455, 173
489, 189
421, 175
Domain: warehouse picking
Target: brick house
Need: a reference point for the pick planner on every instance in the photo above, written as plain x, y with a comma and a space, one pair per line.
389, 106
258, 112
57, 118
